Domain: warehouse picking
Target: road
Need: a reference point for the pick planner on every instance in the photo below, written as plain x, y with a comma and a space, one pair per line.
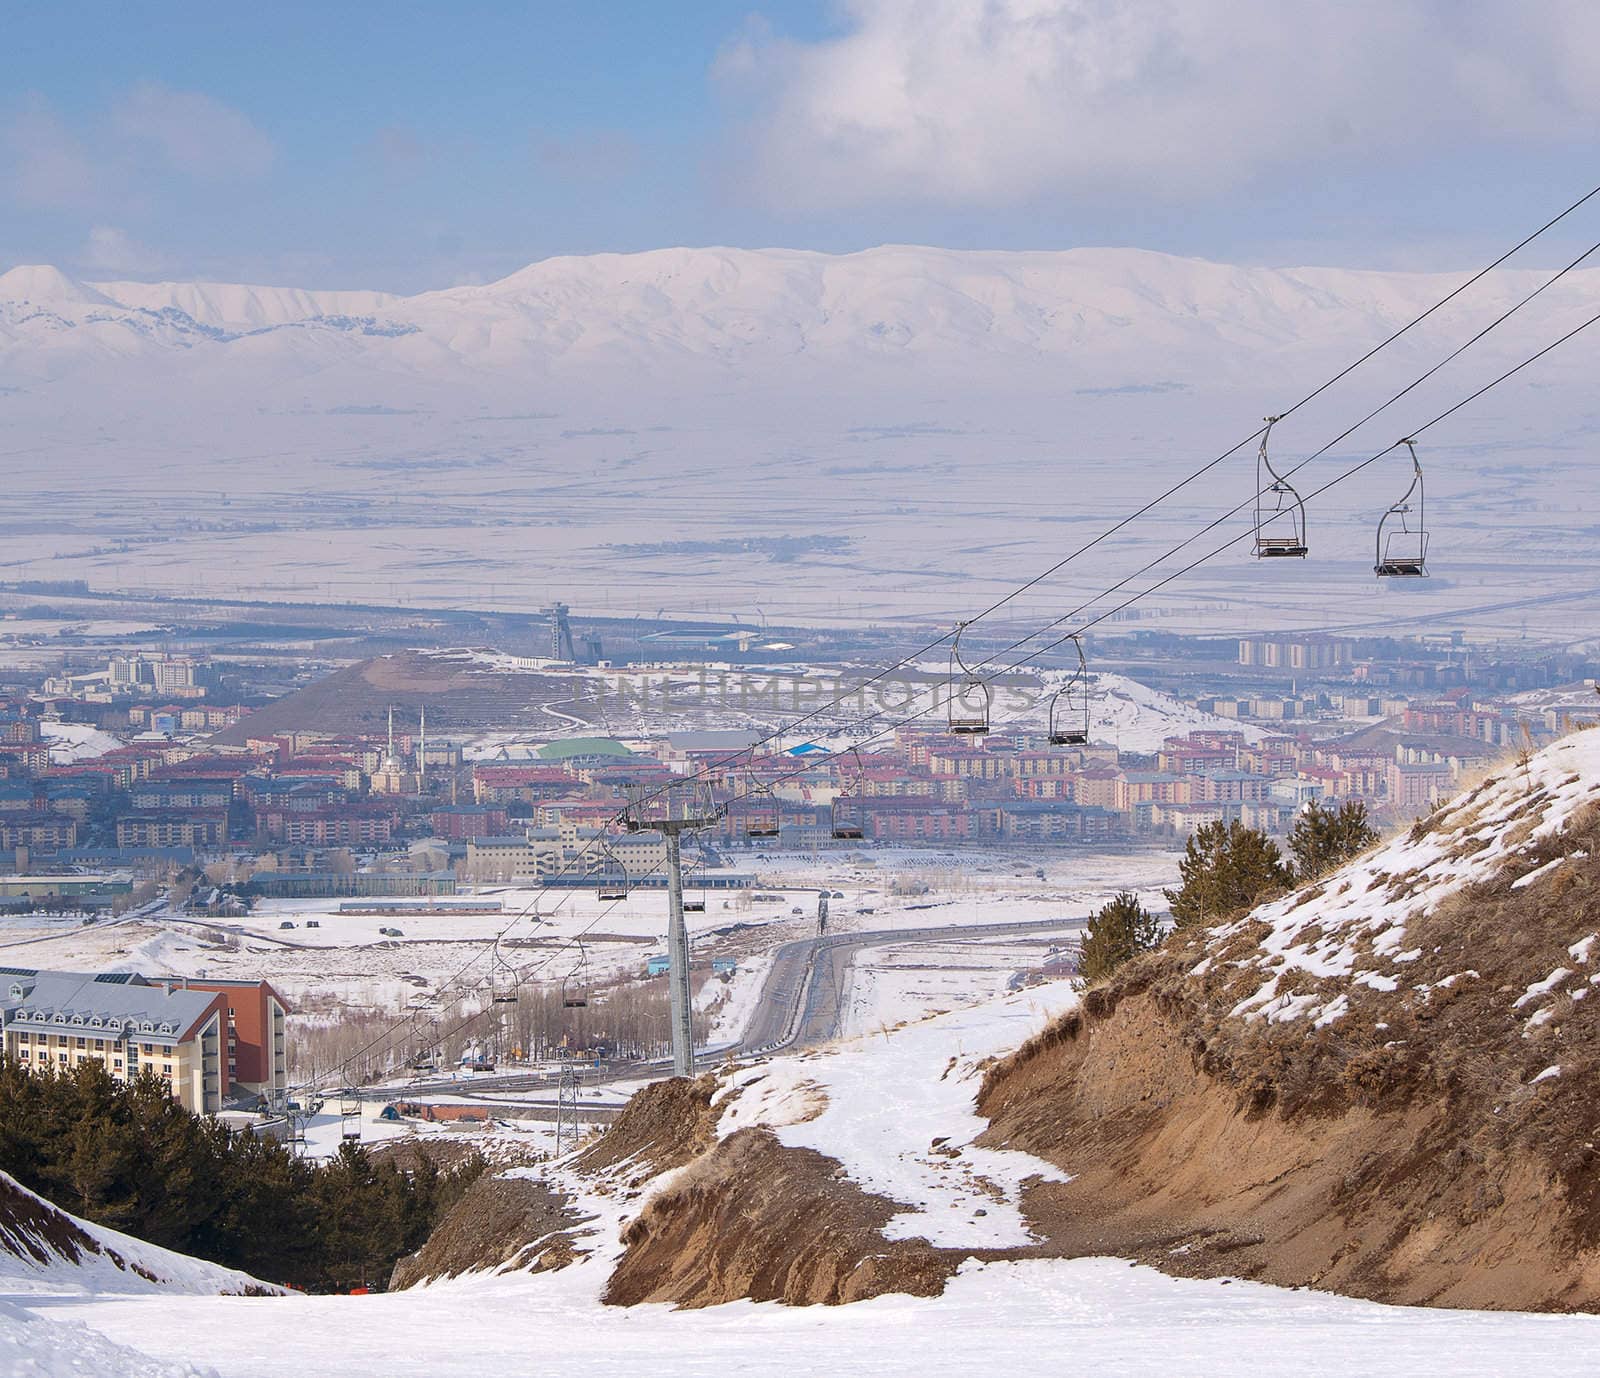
800, 1003
799, 1007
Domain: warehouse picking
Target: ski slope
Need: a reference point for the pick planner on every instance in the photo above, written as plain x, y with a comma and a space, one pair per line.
886, 1097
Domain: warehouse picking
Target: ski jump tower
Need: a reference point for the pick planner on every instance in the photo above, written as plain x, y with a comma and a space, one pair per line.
561, 634
673, 810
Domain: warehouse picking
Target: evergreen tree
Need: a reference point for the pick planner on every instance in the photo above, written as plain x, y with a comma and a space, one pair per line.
131, 1157
1117, 932
1227, 870
1324, 837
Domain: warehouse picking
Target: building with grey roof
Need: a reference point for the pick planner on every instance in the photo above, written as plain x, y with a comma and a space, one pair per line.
59, 1019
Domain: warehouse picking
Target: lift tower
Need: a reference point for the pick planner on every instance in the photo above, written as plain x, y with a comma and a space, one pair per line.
673, 810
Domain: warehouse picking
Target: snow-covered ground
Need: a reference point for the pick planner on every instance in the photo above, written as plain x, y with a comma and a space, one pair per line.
885, 986
887, 1098
346, 961
929, 427
151, 1268
76, 741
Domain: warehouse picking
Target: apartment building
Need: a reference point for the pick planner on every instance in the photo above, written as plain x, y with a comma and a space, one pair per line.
203, 1039
58, 1019
256, 1028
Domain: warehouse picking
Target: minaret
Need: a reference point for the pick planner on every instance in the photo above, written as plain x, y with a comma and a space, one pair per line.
422, 751
390, 752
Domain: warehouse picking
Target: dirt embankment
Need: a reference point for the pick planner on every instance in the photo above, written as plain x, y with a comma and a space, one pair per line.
663, 1126
522, 1221
498, 1222
753, 1219
33, 1230
1433, 1137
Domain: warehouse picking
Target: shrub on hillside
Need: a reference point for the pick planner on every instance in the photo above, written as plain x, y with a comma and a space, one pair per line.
1227, 870
1117, 932
1324, 838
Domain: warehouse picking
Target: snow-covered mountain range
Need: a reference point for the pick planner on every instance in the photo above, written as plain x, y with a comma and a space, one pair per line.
747, 308
933, 423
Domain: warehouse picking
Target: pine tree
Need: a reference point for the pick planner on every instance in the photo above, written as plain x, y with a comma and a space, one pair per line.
1117, 932
1324, 838
1227, 870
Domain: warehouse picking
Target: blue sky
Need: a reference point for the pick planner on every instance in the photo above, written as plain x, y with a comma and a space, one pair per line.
410, 146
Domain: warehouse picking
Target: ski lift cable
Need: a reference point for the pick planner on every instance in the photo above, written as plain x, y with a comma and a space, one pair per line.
1141, 594
826, 756
1177, 487
1317, 454
1136, 597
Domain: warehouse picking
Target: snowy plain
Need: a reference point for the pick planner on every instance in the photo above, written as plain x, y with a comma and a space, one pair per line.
899, 433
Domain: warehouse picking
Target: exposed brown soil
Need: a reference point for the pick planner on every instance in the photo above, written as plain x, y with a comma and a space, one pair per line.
458, 697
755, 1219
1405, 1152
37, 1232
663, 1126
498, 1222
30, 1229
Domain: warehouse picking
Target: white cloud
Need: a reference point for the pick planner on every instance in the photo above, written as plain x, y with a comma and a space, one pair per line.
992, 102
48, 166
113, 250
192, 133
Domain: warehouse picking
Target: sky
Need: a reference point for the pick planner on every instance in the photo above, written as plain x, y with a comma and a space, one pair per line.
410, 146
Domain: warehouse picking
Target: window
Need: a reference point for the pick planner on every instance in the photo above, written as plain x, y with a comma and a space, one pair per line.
62, 1056
166, 1069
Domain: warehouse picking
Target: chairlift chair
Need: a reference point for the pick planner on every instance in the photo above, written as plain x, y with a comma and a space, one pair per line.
970, 695
1402, 549
608, 888
1280, 527
1069, 705
578, 997
500, 994
761, 817
846, 823
350, 1114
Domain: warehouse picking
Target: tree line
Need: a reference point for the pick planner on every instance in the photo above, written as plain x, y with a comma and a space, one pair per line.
1226, 871
128, 1156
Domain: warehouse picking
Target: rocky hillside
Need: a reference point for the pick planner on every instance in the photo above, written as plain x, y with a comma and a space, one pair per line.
1383, 1084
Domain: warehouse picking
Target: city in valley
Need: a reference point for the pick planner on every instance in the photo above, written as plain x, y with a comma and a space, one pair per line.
1012, 785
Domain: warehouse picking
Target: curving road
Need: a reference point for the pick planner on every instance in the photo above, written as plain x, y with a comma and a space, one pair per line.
800, 1003
799, 1006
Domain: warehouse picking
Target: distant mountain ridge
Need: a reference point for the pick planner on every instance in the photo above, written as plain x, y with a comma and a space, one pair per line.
742, 307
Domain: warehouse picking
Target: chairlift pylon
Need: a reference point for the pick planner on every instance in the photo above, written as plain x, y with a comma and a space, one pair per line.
1402, 552
970, 695
1280, 529
1069, 705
